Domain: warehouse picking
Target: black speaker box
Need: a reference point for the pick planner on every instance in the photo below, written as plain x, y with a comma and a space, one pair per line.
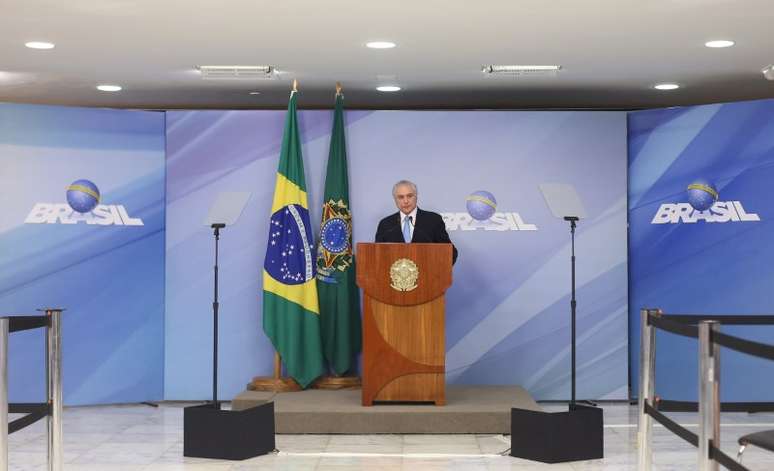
210, 432
557, 437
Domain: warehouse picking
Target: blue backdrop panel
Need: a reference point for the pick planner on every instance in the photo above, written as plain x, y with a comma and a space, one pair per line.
106, 267
688, 262
508, 309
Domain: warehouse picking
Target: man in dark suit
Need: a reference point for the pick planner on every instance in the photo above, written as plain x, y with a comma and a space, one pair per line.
411, 224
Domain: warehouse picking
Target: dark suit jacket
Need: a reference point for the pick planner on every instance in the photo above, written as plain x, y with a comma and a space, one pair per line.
429, 228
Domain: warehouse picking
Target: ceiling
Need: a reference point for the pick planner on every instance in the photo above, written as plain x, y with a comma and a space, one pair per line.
612, 52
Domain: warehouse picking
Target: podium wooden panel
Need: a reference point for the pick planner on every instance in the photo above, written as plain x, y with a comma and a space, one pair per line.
404, 348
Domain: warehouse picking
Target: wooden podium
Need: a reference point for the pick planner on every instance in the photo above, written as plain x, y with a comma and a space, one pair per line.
404, 351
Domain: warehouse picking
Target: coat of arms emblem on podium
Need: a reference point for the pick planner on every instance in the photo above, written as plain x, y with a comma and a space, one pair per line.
404, 274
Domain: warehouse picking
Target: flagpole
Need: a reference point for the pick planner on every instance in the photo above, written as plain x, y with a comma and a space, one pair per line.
274, 383
277, 365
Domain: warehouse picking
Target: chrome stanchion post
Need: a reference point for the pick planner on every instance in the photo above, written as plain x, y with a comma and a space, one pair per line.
647, 389
54, 389
709, 395
4, 328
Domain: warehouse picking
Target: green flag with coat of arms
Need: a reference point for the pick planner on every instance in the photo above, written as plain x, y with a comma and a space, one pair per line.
338, 294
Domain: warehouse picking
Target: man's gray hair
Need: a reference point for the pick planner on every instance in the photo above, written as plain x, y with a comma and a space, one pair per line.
404, 183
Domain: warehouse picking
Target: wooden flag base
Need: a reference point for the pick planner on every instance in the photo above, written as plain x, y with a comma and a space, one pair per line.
337, 382
274, 383
267, 383
277, 383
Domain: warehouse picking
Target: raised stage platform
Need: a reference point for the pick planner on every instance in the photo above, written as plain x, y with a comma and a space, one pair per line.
469, 409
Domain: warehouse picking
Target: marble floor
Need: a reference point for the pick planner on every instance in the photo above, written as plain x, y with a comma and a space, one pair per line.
139, 437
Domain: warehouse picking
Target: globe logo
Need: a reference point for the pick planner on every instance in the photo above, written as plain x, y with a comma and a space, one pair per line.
702, 195
82, 196
481, 205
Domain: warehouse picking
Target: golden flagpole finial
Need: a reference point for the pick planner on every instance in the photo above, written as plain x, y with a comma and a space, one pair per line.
295, 85
338, 88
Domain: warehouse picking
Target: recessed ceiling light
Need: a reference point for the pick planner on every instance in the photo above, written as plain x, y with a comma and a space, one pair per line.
255, 93
380, 44
718, 43
666, 86
109, 88
388, 88
39, 45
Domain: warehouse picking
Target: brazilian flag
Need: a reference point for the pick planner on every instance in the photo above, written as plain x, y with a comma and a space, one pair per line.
339, 295
291, 316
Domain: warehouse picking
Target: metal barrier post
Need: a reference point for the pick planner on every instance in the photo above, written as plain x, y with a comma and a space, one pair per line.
4, 328
709, 395
54, 389
647, 389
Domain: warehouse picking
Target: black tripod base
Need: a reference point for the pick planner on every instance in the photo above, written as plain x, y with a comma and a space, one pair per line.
557, 437
209, 432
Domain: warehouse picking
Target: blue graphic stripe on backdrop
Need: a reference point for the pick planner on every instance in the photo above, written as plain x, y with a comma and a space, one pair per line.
44, 250
704, 268
251, 135
600, 323
110, 278
531, 297
65, 127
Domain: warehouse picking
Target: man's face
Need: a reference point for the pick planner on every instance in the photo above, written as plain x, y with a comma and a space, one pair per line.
405, 199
